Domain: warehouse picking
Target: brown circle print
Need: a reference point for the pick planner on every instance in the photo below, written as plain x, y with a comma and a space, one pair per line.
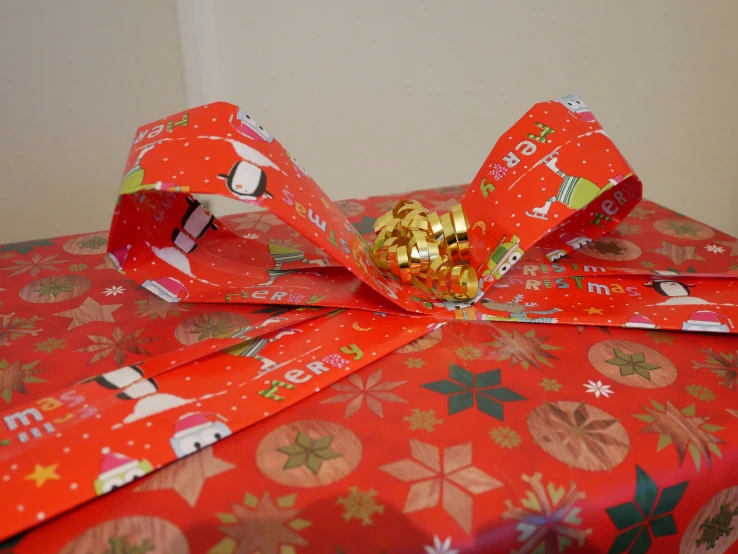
207, 326
423, 343
57, 288
86, 245
309, 453
714, 528
579, 435
611, 249
148, 534
350, 208
684, 229
632, 364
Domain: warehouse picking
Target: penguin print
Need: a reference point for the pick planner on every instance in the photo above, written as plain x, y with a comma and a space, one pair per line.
248, 127
117, 379
195, 431
196, 221
247, 181
577, 107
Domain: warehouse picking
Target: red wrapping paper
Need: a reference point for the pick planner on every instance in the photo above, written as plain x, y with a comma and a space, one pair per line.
551, 174
473, 436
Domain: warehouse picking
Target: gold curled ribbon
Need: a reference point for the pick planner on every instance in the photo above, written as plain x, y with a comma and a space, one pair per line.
430, 251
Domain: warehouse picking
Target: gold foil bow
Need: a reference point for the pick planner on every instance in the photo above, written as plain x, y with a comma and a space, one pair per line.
430, 251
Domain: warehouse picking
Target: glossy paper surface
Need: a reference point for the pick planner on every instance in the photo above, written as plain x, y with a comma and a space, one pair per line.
295, 427
553, 174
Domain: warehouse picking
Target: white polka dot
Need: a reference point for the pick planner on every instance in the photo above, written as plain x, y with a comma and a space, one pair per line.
40, 516
20, 507
73, 486
85, 436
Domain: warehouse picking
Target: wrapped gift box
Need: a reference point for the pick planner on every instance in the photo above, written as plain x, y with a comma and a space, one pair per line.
345, 430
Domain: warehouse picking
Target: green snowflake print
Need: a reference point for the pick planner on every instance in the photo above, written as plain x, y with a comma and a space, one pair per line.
700, 393
464, 388
365, 225
550, 385
505, 437
308, 452
647, 518
647, 264
414, 363
120, 545
714, 528
632, 364
78, 267
25, 247
49, 345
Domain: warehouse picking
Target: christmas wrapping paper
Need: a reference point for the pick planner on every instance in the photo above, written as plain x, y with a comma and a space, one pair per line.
554, 173
479, 436
229, 386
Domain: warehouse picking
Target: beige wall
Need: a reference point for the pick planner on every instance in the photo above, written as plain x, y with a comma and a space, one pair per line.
372, 97
77, 78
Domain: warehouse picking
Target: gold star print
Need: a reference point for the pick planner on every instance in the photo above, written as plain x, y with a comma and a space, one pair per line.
107, 263
524, 349
154, 307
684, 429
592, 311
733, 244
90, 311
187, 476
263, 525
582, 328
677, 254
445, 205
325, 203
42, 474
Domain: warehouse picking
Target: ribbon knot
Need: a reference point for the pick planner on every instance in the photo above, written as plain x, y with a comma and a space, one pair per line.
430, 251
